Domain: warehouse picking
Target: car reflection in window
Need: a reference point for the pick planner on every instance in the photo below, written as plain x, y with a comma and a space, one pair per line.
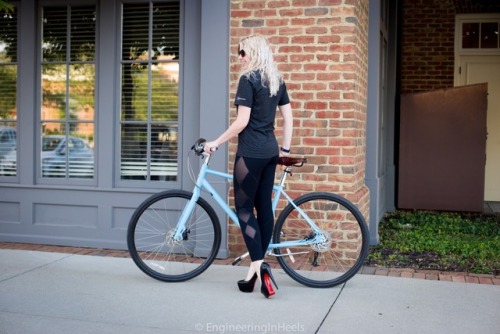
8, 164
66, 156
7, 140
8, 153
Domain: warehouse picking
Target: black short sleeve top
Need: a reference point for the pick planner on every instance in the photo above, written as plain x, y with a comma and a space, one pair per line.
257, 140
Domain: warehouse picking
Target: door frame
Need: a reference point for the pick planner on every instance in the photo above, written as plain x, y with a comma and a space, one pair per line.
461, 54
459, 51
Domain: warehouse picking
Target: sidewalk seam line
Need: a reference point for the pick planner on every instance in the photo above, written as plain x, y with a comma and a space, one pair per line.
36, 268
330, 309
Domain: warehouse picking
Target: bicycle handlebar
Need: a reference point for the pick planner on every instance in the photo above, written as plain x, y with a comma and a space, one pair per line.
199, 149
199, 146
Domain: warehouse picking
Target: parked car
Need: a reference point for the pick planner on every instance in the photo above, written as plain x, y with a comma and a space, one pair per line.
8, 140
77, 160
8, 164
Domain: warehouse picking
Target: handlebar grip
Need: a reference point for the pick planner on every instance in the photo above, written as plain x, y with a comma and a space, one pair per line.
199, 145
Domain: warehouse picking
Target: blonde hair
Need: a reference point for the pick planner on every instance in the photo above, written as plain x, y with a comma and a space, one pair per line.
260, 58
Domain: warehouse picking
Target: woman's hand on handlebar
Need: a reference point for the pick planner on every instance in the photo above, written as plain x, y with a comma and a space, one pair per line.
210, 147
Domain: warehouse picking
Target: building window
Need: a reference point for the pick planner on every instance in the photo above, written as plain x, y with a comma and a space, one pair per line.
67, 111
8, 93
480, 35
149, 91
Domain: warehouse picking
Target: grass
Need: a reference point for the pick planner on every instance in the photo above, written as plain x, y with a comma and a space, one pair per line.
445, 241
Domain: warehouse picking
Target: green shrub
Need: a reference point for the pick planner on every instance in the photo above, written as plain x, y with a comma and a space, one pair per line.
444, 241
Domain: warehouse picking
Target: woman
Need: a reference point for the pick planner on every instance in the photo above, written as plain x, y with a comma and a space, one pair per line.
261, 91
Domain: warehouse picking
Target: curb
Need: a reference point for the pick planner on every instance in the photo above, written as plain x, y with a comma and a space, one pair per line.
434, 275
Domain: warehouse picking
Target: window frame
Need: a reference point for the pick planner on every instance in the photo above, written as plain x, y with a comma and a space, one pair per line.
474, 18
147, 183
67, 180
15, 178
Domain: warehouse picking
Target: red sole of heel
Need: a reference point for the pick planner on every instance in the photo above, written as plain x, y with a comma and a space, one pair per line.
270, 290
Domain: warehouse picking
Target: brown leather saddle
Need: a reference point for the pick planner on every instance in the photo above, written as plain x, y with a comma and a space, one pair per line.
290, 161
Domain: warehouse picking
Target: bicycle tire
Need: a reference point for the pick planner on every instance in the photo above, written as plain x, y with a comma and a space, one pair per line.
344, 245
150, 231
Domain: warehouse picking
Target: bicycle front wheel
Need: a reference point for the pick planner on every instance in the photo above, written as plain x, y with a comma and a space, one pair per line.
341, 240
151, 243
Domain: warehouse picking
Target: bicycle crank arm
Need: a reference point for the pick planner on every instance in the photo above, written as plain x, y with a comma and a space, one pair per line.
240, 258
289, 253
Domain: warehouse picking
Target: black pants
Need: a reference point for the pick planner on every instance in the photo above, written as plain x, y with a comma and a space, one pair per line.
253, 188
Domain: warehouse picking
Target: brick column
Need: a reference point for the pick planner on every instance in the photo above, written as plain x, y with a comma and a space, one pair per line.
321, 46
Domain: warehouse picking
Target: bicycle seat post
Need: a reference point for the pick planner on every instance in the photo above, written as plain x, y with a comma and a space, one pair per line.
286, 171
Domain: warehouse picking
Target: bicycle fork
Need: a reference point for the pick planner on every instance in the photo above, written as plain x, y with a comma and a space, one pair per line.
181, 233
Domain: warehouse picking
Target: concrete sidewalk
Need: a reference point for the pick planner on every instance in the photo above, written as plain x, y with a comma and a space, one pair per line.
56, 293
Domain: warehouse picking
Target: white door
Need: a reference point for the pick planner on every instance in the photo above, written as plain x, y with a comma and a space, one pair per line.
479, 69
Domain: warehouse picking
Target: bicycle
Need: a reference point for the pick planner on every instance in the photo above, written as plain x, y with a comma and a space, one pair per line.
320, 239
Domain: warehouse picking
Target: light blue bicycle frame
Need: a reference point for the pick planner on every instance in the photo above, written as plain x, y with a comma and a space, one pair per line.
203, 184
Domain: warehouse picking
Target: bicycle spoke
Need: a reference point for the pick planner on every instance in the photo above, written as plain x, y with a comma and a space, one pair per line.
152, 243
336, 251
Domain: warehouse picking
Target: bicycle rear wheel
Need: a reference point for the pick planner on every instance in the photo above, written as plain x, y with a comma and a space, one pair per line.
342, 240
150, 237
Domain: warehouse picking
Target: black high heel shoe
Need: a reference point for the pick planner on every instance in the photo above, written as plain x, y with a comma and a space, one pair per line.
247, 286
266, 277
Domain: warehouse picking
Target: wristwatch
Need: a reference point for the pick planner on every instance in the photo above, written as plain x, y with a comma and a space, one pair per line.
285, 150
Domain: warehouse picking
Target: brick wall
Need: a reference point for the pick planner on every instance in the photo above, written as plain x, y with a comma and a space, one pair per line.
427, 55
321, 48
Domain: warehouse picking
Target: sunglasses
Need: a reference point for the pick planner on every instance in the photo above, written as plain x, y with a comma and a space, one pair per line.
242, 53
